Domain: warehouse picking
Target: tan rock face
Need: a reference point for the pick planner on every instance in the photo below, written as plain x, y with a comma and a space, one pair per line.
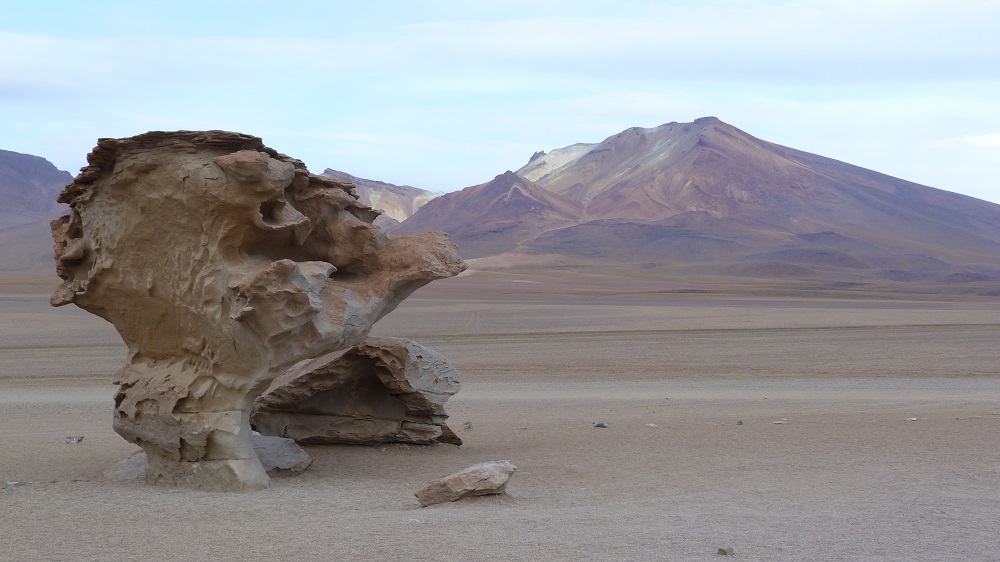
221, 263
386, 390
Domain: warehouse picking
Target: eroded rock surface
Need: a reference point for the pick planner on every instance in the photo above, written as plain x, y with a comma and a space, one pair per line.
386, 390
222, 263
478, 480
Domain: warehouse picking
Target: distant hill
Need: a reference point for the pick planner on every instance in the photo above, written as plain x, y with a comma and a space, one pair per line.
494, 217
396, 202
29, 186
27, 249
711, 198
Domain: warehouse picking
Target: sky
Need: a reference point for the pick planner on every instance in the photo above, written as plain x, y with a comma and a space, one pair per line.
446, 94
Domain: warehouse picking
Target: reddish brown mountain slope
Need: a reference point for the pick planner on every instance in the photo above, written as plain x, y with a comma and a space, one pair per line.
785, 206
493, 217
709, 166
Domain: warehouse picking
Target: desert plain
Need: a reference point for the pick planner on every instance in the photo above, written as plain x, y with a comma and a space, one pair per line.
774, 424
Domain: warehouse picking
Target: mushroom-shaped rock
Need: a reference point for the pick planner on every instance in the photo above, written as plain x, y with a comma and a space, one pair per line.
222, 263
386, 390
478, 480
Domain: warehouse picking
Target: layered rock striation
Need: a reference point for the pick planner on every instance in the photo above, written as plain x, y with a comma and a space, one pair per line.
222, 263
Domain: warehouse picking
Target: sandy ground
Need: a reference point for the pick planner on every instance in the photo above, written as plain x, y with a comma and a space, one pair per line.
849, 474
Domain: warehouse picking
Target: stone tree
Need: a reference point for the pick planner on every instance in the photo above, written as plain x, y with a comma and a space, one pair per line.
222, 263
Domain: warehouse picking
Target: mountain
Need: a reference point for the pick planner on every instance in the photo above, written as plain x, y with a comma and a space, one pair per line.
707, 197
493, 217
710, 166
701, 200
397, 202
29, 186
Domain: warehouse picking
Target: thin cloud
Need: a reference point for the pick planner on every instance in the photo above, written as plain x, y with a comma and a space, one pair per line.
986, 140
415, 84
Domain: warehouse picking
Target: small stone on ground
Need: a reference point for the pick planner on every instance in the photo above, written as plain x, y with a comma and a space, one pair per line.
478, 480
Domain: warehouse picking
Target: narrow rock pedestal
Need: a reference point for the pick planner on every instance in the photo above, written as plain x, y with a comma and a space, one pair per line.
277, 456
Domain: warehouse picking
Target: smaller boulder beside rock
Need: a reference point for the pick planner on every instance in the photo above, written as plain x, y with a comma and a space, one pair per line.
386, 390
280, 456
478, 480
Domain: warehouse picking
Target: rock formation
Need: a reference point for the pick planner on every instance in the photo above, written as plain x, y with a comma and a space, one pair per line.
382, 391
222, 263
478, 480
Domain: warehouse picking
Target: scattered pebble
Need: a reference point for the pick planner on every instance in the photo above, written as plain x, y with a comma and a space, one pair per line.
780, 422
724, 552
651, 425
15, 484
600, 424
467, 426
739, 422
911, 419
74, 439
